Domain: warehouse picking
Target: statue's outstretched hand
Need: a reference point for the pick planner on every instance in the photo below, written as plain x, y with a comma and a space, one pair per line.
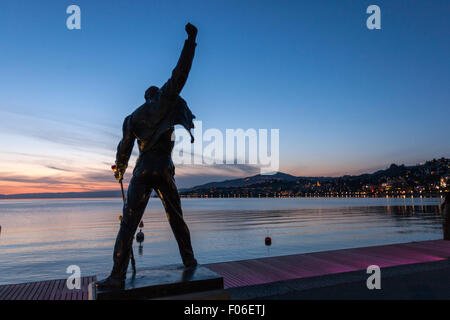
191, 30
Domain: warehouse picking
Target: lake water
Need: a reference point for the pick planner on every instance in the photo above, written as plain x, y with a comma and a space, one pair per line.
41, 238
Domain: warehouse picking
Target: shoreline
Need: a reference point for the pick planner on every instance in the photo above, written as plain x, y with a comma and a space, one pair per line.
206, 197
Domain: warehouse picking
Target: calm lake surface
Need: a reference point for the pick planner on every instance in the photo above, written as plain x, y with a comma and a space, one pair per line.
41, 238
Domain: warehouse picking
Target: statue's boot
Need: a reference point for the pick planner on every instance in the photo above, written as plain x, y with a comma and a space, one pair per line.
191, 264
122, 250
110, 283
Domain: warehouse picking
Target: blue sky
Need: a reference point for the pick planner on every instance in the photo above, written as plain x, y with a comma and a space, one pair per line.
346, 99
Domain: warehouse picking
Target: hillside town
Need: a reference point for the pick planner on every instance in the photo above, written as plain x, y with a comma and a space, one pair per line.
430, 179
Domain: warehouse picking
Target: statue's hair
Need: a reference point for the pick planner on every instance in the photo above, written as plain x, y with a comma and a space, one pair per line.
151, 92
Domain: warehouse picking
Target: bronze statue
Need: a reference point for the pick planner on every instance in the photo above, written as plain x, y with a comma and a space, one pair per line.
152, 125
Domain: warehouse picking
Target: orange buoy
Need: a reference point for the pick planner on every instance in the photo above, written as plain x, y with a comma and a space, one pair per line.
268, 241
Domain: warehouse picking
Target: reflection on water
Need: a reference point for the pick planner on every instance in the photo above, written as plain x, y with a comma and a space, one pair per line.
41, 238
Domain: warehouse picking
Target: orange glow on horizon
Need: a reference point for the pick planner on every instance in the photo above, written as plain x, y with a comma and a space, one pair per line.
23, 188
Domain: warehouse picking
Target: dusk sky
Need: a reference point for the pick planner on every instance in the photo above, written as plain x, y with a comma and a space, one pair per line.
346, 99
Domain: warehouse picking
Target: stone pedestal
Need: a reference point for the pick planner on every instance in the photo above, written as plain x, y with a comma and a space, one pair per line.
170, 281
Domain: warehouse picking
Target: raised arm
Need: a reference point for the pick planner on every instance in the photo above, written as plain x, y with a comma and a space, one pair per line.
175, 84
124, 148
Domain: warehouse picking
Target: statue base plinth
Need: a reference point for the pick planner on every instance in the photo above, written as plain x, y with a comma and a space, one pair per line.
170, 281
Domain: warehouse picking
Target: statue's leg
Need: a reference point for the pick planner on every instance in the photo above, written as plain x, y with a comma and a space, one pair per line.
170, 198
137, 199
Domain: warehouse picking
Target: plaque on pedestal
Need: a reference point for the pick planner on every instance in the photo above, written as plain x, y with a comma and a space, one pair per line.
160, 282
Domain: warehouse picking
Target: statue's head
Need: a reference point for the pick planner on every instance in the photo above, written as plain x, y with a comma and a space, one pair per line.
151, 93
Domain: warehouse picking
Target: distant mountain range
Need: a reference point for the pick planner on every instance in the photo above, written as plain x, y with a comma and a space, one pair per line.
432, 176
243, 182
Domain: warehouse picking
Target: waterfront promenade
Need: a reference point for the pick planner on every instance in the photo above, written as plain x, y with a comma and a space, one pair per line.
293, 276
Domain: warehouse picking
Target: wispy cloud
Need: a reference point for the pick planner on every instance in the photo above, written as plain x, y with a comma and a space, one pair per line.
76, 155
60, 169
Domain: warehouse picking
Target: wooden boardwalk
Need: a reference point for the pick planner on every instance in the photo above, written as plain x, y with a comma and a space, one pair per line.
266, 270
45, 290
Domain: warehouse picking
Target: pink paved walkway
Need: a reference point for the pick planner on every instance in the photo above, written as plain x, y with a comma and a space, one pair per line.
265, 270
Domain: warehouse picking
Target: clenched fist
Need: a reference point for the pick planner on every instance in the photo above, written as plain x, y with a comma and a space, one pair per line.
191, 30
118, 174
